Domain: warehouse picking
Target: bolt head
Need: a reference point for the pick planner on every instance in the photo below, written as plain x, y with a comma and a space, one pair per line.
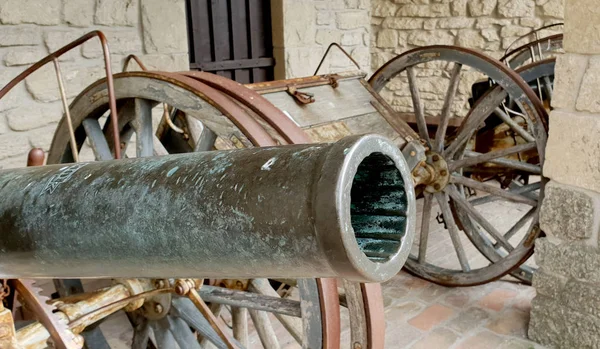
436, 158
436, 186
444, 172
158, 308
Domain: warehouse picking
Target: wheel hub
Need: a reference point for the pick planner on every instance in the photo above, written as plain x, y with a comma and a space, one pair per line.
433, 173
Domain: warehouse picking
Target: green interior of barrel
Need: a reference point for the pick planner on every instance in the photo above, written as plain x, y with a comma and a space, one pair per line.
378, 207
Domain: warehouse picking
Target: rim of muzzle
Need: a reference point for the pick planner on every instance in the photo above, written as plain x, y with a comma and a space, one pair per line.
352, 262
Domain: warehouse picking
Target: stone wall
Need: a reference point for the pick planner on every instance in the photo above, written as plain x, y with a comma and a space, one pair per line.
155, 30
302, 30
566, 310
490, 26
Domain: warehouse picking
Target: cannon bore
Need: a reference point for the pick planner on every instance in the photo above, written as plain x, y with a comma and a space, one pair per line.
344, 210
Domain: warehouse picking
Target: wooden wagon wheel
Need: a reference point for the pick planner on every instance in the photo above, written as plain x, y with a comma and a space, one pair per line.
223, 124
493, 253
534, 51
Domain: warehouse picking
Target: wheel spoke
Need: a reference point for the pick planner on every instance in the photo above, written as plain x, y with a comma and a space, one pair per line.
447, 108
97, 140
418, 105
505, 194
520, 224
204, 138
479, 158
526, 189
427, 203
182, 333
264, 328
514, 125
162, 335
142, 123
480, 112
453, 230
478, 218
261, 300
548, 88
356, 312
239, 319
292, 325
141, 336
190, 314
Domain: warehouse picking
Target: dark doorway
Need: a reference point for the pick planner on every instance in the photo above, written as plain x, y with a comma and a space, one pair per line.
231, 38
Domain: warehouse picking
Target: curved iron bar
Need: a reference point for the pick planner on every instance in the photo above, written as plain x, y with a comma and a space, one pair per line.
136, 59
535, 31
343, 51
109, 78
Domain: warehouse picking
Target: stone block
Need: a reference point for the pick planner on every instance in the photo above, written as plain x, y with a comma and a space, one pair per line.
490, 34
42, 137
531, 22
387, 38
582, 38
516, 8
30, 11
17, 36
55, 39
79, 13
455, 23
164, 26
555, 325
24, 55
352, 38
548, 284
402, 23
324, 18
351, 19
569, 259
300, 61
327, 36
43, 86
571, 69
514, 30
121, 42
437, 37
480, 8
12, 144
471, 39
432, 10
3, 124
458, 8
34, 115
485, 23
384, 8
121, 12
554, 8
430, 24
18, 95
589, 92
582, 296
573, 150
570, 213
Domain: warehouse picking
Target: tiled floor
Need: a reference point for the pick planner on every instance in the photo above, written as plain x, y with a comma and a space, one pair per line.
420, 314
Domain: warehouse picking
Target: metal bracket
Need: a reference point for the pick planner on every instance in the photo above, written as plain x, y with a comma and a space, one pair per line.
301, 97
414, 153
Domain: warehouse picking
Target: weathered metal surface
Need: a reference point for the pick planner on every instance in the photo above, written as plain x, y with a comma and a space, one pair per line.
151, 217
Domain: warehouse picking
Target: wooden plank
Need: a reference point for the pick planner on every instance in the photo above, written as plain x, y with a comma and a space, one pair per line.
220, 33
234, 64
239, 38
349, 99
201, 31
261, 44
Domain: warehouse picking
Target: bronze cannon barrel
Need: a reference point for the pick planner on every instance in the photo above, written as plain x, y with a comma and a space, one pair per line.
345, 210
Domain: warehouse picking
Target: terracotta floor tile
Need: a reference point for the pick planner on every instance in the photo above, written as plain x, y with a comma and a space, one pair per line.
430, 317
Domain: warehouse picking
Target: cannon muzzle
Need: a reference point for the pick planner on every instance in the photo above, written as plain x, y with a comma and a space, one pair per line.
344, 210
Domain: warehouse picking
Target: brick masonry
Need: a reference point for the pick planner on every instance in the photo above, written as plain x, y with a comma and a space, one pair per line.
155, 30
566, 311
